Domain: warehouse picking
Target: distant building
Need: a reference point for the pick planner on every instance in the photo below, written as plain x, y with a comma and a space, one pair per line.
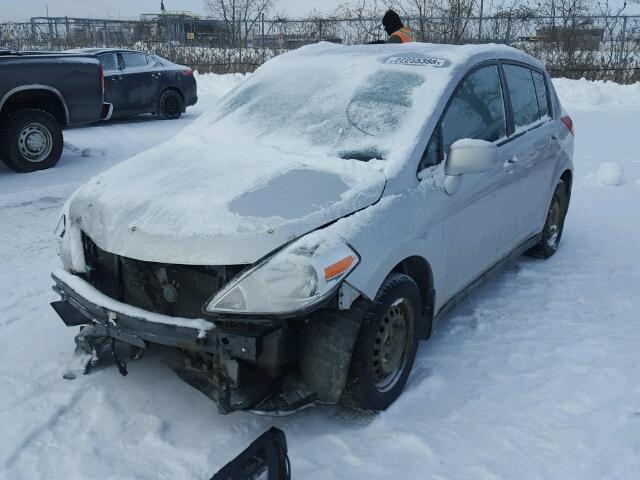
579, 37
288, 42
187, 28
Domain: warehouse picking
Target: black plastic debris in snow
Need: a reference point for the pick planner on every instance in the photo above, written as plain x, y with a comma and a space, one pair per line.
265, 459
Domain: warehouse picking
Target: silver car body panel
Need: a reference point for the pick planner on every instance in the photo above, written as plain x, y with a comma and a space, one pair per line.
386, 215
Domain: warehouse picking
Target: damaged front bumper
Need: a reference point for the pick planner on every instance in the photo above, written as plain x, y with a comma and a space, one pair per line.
232, 352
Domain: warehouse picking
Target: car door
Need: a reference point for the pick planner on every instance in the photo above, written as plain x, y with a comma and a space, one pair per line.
479, 221
137, 82
160, 78
113, 92
529, 155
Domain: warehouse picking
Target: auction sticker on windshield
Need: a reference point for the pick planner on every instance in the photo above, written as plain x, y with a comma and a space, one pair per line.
425, 61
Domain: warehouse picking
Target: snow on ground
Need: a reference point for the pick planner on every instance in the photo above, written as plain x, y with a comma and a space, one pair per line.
598, 95
535, 376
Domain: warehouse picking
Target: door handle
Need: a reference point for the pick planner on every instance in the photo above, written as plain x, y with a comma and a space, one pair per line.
554, 137
510, 164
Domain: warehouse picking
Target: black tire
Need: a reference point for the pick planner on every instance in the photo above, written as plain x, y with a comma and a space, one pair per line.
30, 140
554, 224
171, 104
369, 386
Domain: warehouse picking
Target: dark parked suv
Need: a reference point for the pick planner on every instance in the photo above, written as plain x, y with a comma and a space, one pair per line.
137, 82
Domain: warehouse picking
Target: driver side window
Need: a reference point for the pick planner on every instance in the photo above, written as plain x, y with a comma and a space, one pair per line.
476, 110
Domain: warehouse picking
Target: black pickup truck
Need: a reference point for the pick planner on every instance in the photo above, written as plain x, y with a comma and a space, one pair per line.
40, 94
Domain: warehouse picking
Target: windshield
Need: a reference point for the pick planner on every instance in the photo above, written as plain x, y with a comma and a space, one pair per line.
352, 115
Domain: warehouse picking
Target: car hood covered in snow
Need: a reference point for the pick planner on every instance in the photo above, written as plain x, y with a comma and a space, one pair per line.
186, 204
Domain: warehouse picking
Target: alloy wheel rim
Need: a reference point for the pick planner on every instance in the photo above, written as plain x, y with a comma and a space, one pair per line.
35, 142
391, 345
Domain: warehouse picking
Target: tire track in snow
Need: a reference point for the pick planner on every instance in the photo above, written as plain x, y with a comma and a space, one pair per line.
47, 426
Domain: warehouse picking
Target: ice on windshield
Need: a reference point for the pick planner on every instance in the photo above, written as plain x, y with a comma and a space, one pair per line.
346, 112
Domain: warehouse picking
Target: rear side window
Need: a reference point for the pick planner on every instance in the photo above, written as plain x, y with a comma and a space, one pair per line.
541, 93
109, 61
476, 110
524, 100
134, 60
154, 61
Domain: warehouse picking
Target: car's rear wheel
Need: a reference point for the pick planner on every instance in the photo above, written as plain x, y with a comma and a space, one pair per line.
386, 346
552, 232
30, 140
171, 104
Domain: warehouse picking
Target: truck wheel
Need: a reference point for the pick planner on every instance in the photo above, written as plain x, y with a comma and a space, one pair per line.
386, 346
30, 140
171, 104
553, 226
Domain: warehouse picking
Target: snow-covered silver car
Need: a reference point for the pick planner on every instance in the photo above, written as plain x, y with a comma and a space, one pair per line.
297, 241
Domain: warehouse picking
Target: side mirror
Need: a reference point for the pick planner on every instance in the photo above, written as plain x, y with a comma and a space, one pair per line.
468, 156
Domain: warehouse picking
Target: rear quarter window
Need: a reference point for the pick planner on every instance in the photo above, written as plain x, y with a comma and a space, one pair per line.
154, 61
524, 100
541, 93
134, 60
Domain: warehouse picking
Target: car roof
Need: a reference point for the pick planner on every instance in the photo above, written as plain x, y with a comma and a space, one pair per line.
96, 51
455, 55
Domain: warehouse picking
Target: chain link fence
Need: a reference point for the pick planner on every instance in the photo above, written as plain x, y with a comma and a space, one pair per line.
595, 47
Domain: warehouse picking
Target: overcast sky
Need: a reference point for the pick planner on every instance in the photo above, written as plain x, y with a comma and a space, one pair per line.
25, 9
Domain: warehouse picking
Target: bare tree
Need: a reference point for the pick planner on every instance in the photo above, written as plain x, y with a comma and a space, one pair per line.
240, 16
619, 50
421, 12
367, 15
457, 14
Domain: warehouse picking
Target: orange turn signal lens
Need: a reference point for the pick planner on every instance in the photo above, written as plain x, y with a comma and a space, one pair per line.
338, 268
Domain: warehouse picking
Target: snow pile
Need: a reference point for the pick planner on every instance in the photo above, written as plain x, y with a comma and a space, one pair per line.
597, 95
93, 152
609, 173
212, 86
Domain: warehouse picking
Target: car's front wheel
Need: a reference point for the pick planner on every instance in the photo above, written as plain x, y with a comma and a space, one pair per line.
386, 346
30, 140
171, 104
554, 224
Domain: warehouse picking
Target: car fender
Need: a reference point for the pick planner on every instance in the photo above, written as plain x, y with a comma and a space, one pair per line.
35, 87
564, 163
369, 275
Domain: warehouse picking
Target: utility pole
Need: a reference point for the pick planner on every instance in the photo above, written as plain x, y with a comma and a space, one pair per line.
480, 24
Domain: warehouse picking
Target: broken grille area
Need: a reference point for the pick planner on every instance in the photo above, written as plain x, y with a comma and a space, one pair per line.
168, 289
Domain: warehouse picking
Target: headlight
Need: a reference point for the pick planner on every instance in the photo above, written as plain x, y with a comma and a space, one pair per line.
300, 275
